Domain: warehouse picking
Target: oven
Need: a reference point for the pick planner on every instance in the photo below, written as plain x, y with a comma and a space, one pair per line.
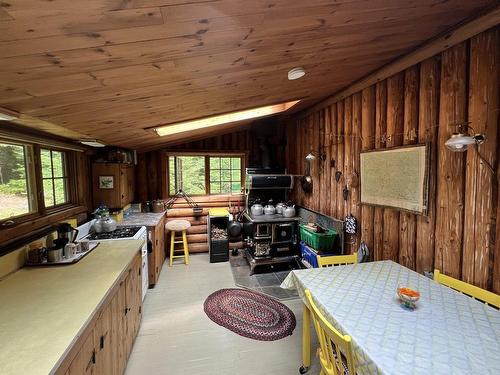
283, 232
121, 233
262, 230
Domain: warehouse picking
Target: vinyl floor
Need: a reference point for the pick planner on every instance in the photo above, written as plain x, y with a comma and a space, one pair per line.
177, 338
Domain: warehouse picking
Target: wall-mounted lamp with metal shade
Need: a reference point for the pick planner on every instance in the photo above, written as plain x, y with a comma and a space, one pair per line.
461, 140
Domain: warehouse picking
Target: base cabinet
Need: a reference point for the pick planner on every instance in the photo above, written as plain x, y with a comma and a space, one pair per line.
105, 346
158, 255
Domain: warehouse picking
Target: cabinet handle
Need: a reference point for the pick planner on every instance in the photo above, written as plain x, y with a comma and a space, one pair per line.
102, 341
91, 361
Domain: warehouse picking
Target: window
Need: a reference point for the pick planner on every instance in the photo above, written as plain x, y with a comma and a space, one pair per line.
225, 175
187, 173
205, 174
16, 176
54, 177
33, 180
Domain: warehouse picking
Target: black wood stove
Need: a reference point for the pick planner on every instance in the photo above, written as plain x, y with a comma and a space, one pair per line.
270, 239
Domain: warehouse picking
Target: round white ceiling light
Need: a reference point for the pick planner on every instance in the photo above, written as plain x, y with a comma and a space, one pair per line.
296, 73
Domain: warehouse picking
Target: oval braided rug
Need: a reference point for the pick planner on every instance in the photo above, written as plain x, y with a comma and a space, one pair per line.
250, 314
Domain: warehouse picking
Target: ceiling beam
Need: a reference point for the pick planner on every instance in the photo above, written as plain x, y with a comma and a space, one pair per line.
460, 33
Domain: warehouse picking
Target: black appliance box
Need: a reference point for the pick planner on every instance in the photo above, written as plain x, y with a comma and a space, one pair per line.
219, 251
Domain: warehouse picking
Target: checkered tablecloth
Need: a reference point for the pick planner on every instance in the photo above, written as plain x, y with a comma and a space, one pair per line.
448, 332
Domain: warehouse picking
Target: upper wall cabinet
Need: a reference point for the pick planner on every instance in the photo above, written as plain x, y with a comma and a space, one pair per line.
113, 184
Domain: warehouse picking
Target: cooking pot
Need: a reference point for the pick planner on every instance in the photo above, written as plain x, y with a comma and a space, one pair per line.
269, 209
289, 211
257, 209
234, 228
158, 206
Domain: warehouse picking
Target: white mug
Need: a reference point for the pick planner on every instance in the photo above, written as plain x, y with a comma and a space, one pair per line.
70, 250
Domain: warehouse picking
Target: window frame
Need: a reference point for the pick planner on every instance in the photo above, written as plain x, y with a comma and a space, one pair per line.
35, 178
32, 185
206, 155
65, 177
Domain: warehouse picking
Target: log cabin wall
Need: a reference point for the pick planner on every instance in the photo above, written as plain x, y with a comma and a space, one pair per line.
151, 173
417, 105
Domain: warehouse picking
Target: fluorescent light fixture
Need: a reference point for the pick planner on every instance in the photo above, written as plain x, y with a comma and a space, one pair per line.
212, 121
296, 73
92, 142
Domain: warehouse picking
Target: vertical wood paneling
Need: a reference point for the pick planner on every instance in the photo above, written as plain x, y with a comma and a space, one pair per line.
333, 156
380, 130
480, 205
348, 156
326, 188
496, 256
450, 174
427, 133
348, 151
367, 135
395, 111
408, 221
422, 105
356, 146
340, 158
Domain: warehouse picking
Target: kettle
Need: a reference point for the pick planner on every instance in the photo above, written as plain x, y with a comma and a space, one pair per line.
257, 209
289, 211
66, 231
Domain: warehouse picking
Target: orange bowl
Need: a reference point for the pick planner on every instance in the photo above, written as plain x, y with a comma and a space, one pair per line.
408, 295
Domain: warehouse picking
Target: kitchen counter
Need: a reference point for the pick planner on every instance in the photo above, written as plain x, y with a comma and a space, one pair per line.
275, 218
148, 219
44, 310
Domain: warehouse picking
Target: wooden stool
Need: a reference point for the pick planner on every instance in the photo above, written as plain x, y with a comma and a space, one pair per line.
178, 226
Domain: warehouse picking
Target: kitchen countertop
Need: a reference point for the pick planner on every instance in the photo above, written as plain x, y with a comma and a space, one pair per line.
276, 218
44, 310
148, 219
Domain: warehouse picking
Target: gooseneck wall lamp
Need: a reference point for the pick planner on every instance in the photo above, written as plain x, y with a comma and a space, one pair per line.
461, 140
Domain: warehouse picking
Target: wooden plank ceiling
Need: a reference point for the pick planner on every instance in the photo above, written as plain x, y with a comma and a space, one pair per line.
111, 68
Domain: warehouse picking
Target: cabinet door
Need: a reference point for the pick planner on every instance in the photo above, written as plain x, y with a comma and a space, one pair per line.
118, 330
127, 184
161, 246
152, 257
109, 196
157, 253
131, 183
85, 361
104, 342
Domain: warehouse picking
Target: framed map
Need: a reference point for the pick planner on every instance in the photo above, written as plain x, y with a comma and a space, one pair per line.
396, 177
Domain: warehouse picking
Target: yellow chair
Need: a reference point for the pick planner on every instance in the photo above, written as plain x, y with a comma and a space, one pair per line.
178, 226
335, 350
337, 260
471, 290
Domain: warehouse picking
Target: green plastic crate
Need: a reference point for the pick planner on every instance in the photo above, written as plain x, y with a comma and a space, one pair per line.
318, 241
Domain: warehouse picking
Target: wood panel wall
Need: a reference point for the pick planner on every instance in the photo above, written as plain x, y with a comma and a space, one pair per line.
151, 169
420, 104
151, 173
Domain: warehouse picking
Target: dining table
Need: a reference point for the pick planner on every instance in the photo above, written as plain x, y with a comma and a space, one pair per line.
446, 333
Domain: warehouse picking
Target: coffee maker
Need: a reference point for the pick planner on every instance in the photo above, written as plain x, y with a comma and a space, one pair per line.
66, 233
